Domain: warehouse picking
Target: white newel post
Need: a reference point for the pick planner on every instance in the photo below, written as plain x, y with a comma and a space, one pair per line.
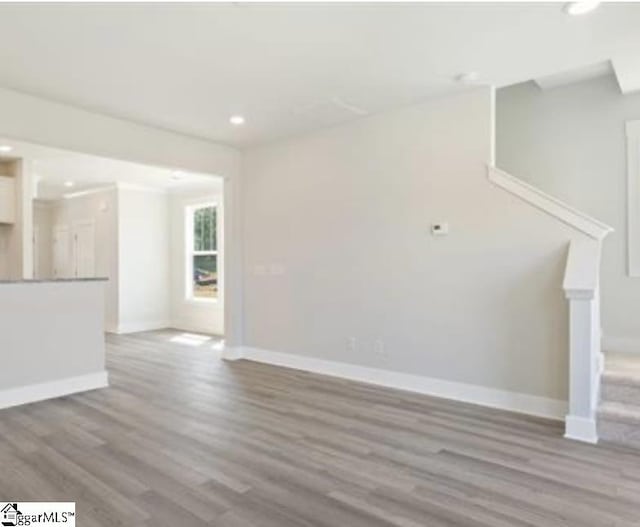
583, 369
582, 292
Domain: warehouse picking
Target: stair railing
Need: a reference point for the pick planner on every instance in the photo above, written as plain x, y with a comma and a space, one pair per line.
581, 286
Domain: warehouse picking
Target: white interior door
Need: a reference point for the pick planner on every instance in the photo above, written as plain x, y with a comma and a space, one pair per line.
61, 252
84, 250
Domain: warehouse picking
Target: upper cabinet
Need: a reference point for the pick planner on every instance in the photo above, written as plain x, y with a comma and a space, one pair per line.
7, 199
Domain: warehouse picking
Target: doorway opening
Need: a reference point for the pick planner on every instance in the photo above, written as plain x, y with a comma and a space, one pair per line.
155, 233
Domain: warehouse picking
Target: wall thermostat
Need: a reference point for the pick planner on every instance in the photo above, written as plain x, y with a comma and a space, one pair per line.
440, 229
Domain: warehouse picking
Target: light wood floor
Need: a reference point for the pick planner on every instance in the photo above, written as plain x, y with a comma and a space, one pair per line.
184, 439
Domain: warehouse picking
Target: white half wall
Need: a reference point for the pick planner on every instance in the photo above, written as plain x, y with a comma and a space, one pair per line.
570, 142
340, 264
52, 340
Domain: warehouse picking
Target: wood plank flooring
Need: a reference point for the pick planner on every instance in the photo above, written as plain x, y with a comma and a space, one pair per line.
182, 438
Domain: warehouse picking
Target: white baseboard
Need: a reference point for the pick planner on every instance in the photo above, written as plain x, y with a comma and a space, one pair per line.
581, 429
229, 353
137, 327
48, 390
621, 344
469, 393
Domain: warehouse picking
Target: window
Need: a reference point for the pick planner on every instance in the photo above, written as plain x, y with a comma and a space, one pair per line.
202, 252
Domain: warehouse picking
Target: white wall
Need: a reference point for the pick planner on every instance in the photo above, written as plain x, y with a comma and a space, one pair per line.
143, 260
207, 317
337, 245
570, 141
101, 208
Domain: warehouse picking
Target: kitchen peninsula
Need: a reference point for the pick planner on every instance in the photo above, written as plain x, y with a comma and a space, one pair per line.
51, 338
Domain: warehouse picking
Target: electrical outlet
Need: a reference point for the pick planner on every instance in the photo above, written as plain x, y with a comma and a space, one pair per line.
352, 344
378, 347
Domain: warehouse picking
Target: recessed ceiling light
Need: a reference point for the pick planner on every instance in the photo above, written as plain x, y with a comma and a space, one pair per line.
236, 120
580, 8
68, 184
470, 77
5, 149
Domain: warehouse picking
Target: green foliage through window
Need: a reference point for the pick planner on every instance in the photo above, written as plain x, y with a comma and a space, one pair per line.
204, 229
204, 257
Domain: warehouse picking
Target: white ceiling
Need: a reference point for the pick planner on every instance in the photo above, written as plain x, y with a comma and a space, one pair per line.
288, 68
592, 71
52, 168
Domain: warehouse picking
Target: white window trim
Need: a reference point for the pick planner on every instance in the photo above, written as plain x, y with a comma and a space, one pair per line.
190, 253
633, 197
